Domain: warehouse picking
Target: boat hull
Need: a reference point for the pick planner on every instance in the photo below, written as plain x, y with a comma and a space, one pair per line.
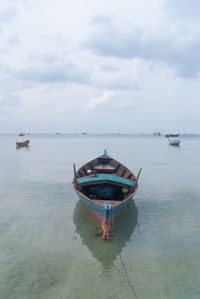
105, 186
174, 142
105, 219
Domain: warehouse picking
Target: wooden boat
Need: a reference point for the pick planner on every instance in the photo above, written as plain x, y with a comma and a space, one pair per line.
105, 186
22, 143
175, 142
173, 135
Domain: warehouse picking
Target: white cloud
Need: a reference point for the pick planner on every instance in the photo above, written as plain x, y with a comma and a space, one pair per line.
105, 98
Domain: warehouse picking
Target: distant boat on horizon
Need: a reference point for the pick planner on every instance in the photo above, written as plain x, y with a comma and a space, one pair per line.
157, 133
21, 134
172, 135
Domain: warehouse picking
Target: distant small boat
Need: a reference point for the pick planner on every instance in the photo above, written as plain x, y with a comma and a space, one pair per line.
174, 142
173, 135
157, 133
105, 186
22, 143
21, 134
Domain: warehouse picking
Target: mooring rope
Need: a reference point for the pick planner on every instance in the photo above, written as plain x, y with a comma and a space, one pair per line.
129, 282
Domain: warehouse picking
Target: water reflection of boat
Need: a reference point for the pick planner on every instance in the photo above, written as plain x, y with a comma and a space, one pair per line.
105, 252
24, 143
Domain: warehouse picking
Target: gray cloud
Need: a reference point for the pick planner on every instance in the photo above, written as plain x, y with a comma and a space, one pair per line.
8, 88
54, 73
9, 44
13, 40
9, 97
8, 12
49, 69
116, 84
45, 58
101, 19
110, 68
178, 46
182, 8
6, 15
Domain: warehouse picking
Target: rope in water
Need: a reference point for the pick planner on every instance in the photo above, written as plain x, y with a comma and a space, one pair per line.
129, 282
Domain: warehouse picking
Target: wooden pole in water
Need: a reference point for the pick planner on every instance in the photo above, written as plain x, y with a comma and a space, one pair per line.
74, 170
75, 180
138, 174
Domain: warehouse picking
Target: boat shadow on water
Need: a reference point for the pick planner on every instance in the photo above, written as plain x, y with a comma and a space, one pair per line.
105, 252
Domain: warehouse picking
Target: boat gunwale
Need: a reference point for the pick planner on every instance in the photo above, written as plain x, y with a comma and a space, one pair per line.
111, 159
110, 182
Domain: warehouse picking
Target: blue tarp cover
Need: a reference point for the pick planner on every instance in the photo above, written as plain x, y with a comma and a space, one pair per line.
105, 177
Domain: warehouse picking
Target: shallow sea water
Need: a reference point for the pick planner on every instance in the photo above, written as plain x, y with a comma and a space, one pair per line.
48, 243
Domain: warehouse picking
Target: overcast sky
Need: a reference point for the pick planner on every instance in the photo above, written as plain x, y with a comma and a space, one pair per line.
100, 66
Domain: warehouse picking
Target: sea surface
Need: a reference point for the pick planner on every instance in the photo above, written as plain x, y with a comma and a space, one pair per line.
49, 243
